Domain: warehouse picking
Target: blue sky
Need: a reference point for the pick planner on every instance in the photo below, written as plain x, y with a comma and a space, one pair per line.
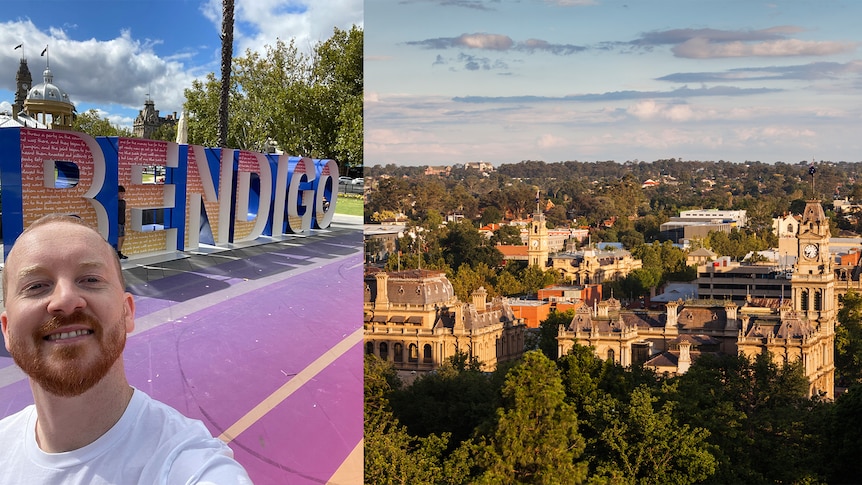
453, 81
110, 54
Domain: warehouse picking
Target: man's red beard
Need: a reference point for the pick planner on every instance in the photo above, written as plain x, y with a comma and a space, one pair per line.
59, 369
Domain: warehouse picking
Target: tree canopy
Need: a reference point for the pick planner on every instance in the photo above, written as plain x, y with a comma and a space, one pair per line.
309, 104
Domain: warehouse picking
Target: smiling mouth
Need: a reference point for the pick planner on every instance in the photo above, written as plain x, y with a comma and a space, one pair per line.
67, 335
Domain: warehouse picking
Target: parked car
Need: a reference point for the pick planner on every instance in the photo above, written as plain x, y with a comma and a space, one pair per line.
345, 180
358, 181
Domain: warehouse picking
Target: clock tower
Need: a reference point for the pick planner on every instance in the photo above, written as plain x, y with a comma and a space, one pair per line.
813, 289
23, 83
537, 240
813, 280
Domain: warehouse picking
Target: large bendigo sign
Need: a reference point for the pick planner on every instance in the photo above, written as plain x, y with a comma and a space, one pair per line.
177, 196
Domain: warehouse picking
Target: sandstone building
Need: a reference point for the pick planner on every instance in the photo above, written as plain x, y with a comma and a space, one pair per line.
800, 326
414, 320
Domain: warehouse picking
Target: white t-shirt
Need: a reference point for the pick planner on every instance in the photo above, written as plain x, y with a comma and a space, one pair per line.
152, 443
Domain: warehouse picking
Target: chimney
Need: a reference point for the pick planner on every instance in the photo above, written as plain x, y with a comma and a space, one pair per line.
602, 309
684, 357
731, 310
672, 307
382, 289
480, 299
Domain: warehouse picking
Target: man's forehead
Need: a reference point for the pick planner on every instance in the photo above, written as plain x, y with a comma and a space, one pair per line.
60, 234
49, 231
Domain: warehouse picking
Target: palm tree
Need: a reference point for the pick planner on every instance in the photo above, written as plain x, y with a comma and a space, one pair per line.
226, 58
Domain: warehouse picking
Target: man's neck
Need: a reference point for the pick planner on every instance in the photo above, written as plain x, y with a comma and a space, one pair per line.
69, 423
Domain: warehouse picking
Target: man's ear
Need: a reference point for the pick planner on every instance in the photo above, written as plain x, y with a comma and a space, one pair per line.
4, 325
128, 312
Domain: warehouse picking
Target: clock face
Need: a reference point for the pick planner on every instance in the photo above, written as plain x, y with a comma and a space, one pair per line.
810, 251
535, 243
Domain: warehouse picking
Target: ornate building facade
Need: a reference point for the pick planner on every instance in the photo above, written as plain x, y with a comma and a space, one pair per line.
414, 320
149, 121
592, 266
799, 328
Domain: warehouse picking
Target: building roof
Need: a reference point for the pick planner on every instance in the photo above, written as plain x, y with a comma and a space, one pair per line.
23, 121
513, 252
47, 90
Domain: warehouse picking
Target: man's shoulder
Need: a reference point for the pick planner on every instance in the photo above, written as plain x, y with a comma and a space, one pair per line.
16, 420
186, 447
158, 414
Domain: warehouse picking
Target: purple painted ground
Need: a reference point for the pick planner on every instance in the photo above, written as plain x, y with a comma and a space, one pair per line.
239, 331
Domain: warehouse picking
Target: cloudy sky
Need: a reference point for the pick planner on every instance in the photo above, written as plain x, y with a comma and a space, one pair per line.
110, 54
452, 81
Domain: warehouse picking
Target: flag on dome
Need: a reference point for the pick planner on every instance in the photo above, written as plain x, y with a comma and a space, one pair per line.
44, 51
18, 46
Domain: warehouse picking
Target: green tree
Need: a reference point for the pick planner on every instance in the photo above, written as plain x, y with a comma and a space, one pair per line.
491, 215
166, 132
310, 105
848, 340
507, 285
756, 413
536, 437
338, 77
392, 455
638, 443
534, 279
507, 235
92, 124
455, 399
462, 244
468, 279
844, 438
548, 329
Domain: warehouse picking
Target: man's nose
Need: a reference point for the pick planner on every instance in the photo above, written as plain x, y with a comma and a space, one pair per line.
66, 298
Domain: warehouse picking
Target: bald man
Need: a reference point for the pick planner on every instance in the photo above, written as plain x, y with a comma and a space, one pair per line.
65, 324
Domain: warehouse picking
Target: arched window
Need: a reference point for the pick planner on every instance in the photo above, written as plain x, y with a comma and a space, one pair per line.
413, 353
818, 300
369, 348
611, 355
384, 351
804, 300
426, 354
398, 352
790, 228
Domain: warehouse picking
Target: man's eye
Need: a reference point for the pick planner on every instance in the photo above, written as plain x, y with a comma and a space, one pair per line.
34, 287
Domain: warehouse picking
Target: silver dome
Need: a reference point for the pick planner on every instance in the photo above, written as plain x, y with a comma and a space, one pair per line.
47, 90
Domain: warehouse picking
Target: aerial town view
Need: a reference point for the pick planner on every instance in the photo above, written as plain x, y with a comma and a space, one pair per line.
612, 243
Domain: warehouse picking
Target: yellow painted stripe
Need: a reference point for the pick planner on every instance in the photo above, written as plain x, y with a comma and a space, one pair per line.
290, 386
352, 470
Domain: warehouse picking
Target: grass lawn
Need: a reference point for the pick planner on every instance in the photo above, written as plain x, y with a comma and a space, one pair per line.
351, 206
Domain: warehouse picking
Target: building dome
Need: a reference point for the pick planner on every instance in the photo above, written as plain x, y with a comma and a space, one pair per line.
49, 105
47, 90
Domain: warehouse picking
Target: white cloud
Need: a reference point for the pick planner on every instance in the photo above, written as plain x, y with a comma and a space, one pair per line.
548, 140
703, 48
258, 23
117, 74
